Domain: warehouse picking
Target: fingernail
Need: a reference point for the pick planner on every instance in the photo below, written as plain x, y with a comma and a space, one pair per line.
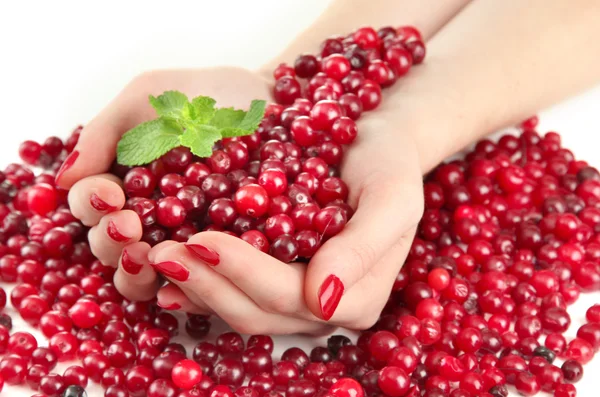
100, 205
115, 234
68, 163
171, 269
129, 265
170, 306
330, 294
206, 254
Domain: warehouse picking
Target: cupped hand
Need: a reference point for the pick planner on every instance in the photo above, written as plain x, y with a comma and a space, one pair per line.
346, 283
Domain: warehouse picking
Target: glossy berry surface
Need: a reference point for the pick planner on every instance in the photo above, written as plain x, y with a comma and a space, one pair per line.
186, 374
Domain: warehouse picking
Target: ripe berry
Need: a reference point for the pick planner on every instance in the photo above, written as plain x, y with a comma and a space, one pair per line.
139, 182
85, 314
344, 131
336, 66
284, 248
393, 381
306, 66
186, 374
324, 114
283, 70
42, 198
303, 131
347, 387
286, 90
399, 60
256, 239
30, 152
329, 221
252, 200
170, 212
369, 94
366, 38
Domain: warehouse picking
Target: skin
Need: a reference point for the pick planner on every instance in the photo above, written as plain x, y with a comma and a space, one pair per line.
470, 84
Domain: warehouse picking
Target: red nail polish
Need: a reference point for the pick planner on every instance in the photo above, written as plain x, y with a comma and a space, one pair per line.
330, 294
100, 205
172, 306
115, 234
172, 270
68, 163
206, 254
129, 265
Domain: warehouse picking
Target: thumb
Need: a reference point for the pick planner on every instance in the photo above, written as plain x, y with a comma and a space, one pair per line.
97, 145
382, 216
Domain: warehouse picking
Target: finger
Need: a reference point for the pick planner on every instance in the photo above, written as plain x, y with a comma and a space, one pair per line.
96, 148
113, 232
356, 311
375, 227
202, 284
135, 279
158, 248
274, 286
93, 197
171, 297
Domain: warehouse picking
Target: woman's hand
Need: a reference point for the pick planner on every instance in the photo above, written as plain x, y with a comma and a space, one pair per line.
256, 293
250, 290
97, 198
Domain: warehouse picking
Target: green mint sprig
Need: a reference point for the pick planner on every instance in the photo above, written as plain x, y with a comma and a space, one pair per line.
197, 125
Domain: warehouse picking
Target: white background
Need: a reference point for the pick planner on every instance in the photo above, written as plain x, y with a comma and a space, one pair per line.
62, 61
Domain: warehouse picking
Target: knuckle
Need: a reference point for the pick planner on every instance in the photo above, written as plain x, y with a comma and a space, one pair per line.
280, 304
361, 257
204, 291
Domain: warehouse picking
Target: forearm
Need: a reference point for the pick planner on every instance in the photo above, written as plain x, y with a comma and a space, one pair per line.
493, 65
344, 16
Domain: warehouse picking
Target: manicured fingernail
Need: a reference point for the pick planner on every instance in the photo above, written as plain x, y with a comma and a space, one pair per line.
100, 205
171, 269
129, 265
115, 234
169, 306
330, 294
206, 254
68, 163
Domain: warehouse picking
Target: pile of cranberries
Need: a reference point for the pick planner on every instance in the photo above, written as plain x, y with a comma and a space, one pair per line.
278, 189
509, 239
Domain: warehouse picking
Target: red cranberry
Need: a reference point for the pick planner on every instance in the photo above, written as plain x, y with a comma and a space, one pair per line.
229, 372
139, 182
393, 381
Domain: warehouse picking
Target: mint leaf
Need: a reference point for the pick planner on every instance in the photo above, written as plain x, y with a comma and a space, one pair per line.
171, 104
231, 132
203, 109
197, 125
148, 141
227, 118
254, 116
201, 139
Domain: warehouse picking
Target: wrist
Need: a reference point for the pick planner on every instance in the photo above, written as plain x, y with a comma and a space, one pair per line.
435, 116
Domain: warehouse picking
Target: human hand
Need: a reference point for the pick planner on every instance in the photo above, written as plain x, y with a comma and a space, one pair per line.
356, 268
276, 291
97, 198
